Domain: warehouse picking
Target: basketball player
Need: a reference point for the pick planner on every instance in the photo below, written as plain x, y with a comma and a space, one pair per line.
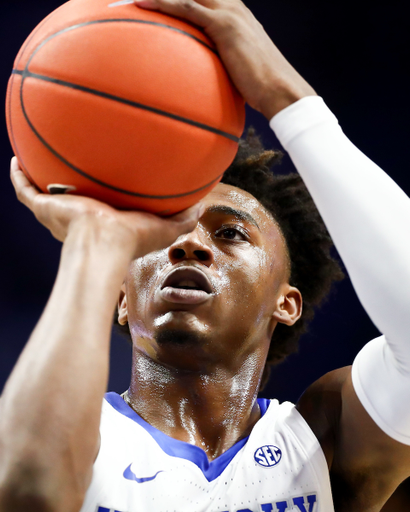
204, 294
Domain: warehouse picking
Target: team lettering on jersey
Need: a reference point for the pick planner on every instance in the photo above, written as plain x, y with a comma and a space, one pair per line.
297, 504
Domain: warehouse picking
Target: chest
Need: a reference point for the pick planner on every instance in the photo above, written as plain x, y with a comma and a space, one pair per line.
267, 473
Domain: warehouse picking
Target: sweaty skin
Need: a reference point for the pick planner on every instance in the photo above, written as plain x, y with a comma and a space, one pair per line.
50, 409
203, 390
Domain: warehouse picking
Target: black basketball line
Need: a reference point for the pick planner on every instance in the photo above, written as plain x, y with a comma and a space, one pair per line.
121, 20
96, 180
31, 36
155, 23
27, 74
12, 137
21, 52
117, 98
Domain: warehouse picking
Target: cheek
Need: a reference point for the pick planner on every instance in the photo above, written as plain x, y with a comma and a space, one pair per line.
244, 281
140, 283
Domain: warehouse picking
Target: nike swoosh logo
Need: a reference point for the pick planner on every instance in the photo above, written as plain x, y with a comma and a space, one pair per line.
130, 475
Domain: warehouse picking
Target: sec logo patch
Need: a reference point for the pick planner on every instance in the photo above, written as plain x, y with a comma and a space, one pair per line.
268, 456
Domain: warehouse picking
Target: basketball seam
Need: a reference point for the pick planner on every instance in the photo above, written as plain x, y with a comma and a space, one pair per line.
96, 180
40, 25
12, 137
123, 100
21, 52
142, 106
126, 20
25, 73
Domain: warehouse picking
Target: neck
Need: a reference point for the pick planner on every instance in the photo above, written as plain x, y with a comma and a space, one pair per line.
211, 410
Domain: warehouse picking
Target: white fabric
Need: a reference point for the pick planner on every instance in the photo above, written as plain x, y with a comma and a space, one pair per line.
297, 482
388, 399
368, 217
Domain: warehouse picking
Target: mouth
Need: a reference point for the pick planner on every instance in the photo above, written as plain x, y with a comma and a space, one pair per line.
186, 285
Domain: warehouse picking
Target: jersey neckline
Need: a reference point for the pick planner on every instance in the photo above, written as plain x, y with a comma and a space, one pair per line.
181, 449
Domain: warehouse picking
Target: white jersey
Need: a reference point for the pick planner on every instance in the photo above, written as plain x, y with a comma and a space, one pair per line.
280, 467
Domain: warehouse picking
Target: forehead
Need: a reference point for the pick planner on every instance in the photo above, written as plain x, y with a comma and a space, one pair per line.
241, 200
269, 233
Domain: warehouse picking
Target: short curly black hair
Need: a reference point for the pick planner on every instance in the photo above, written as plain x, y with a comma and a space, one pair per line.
285, 196
313, 269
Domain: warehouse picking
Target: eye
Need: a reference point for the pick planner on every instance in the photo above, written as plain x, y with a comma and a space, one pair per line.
230, 233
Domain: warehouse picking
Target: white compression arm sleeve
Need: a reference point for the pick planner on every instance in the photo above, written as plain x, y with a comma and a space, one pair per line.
368, 217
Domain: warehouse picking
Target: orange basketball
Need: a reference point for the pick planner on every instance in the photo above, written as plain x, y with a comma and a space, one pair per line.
129, 106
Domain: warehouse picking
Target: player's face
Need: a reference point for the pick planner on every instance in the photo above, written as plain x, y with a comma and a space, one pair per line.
209, 299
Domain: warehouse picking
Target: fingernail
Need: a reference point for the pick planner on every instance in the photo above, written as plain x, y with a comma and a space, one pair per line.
14, 165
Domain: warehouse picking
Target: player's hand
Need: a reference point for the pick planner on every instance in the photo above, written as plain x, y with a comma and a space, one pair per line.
266, 80
141, 232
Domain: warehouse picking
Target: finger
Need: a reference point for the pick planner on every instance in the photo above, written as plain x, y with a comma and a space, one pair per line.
186, 221
198, 12
25, 191
194, 213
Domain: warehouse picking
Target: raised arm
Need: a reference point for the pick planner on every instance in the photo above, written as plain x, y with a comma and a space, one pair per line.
366, 212
368, 216
51, 406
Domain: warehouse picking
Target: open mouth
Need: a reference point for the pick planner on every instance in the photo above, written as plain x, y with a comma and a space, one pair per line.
186, 285
188, 278
189, 285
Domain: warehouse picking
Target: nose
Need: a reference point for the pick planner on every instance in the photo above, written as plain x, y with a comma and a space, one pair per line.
190, 247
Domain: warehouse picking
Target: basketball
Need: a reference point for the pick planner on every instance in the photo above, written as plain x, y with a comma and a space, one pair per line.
125, 105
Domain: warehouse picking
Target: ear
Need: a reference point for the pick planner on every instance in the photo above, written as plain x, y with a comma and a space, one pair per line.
289, 306
122, 306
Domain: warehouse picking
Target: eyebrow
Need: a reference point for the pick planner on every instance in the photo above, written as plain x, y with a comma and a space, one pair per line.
228, 210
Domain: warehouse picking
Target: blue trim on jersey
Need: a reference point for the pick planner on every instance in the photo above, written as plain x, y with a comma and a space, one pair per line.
177, 448
263, 405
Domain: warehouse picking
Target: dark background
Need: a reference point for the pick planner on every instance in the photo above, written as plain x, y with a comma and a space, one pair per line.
354, 54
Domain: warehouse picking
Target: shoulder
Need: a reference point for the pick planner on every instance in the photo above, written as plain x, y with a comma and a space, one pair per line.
321, 406
366, 465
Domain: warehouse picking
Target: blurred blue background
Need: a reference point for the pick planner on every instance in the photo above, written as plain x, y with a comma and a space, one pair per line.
355, 54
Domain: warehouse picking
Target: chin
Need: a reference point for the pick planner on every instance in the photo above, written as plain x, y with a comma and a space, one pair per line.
183, 350
179, 337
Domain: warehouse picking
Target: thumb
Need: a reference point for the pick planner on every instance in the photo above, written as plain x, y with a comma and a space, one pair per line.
187, 220
194, 213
